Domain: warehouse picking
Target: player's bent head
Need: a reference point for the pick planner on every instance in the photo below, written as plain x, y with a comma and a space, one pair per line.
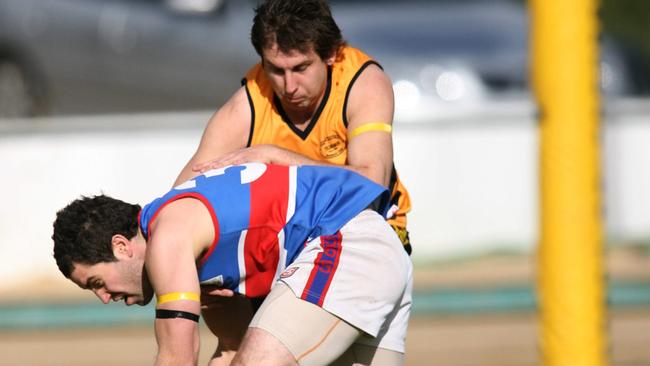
296, 25
84, 228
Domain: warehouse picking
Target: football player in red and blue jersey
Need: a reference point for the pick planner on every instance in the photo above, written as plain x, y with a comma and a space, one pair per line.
307, 239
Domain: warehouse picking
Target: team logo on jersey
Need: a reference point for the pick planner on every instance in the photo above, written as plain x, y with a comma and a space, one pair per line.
288, 272
332, 146
214, 281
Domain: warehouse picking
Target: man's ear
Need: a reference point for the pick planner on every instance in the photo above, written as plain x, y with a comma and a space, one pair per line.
333, 57
122, 247
330, 60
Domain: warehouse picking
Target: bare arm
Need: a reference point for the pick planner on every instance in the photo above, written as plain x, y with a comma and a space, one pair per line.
265, 153
177, 237
226, 131
370, 101
369, 154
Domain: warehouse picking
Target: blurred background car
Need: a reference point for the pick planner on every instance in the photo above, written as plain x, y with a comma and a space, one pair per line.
66, 57
447, 56
100, 56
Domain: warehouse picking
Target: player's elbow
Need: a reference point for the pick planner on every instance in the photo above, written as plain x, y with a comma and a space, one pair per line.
375, 172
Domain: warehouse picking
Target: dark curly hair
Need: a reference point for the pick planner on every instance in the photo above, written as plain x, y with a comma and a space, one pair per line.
83, 230
296, 25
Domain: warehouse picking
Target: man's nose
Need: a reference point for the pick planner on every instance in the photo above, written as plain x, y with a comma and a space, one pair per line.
103, 296
290, 84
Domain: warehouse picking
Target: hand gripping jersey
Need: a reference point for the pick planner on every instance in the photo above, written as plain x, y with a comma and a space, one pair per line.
264, 214
326, 136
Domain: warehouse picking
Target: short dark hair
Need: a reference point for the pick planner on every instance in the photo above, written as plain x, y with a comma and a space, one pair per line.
83, 230
296, 25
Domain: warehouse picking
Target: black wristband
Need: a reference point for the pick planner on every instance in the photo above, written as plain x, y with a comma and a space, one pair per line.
171, 314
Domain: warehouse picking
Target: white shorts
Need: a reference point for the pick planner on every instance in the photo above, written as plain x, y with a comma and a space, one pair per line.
362, 275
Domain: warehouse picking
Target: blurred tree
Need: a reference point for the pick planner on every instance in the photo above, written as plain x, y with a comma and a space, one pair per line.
628, 21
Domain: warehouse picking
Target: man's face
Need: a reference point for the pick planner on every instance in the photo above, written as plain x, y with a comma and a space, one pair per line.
121, 280
298, 79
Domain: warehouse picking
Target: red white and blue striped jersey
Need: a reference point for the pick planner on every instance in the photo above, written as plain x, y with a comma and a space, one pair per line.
264, 214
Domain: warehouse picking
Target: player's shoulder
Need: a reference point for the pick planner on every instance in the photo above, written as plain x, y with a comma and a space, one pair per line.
182, 215
364, 70
233, 119
372, 76
372, 84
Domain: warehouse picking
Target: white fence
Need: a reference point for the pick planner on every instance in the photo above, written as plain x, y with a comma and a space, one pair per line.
473, 178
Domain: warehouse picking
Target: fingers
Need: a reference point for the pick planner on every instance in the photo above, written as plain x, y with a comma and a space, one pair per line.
214, 297
231, 159
237, 157
201, 167
212, 164
208, 291
223, 292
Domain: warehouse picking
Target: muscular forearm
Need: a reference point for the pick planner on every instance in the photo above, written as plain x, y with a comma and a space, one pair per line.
278, 155
374, 169
374, 172
178, 344
174, 357
167, 359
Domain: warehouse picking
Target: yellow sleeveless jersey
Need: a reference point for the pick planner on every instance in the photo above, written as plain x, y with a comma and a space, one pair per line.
326, 136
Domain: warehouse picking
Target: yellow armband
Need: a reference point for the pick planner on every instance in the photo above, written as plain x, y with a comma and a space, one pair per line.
174, 296
374, 126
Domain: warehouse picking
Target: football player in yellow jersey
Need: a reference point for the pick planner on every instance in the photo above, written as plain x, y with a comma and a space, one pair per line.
312, 100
